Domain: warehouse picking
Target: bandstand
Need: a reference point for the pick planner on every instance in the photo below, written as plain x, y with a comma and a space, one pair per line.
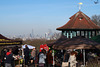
80, 25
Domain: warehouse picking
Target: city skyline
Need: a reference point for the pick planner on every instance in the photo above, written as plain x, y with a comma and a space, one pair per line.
20, 17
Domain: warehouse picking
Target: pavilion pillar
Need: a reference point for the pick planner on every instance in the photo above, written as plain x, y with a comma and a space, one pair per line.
87, 34
76, 33
84, 33
62, 32
80, 33
91, 34
97, 32
94, 33
66, 33
69, 34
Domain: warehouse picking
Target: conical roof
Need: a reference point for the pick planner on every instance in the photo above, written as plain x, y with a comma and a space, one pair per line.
79, 21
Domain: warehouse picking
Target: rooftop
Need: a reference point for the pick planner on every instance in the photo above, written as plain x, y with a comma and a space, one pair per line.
79, 21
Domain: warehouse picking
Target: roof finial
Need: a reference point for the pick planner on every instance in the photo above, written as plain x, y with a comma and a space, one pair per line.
80, 5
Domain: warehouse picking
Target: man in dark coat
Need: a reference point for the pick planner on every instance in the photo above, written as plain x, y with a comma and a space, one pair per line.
3, 54
9, 58
26, 53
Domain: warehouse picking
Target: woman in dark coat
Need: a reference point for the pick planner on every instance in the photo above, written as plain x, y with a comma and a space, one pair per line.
66, 56
49, 58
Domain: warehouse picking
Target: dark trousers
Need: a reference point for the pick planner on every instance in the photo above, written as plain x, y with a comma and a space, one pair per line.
13, 63
26, 60
50, 65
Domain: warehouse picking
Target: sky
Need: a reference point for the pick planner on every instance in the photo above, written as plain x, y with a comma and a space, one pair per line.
19, 17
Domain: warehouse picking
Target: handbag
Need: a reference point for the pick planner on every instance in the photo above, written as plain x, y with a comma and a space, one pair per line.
65, 64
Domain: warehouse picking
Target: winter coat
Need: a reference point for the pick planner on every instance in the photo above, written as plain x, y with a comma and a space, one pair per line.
33, 53
26, 52
72, 60
42, 58
49, 58
66, 57
9, 57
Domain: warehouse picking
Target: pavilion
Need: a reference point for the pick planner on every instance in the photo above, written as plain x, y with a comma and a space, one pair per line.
80, 25
76, 33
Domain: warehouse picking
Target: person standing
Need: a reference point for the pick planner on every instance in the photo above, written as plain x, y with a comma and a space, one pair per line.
9, 58
36, 58
42, 57
33, 54
26, 55
72, 59
3, 54
66, 56
49, 58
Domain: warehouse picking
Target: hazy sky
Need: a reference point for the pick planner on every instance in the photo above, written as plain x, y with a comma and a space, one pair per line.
18, 17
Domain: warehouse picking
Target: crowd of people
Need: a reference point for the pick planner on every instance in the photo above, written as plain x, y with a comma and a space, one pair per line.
43, 58
37, 59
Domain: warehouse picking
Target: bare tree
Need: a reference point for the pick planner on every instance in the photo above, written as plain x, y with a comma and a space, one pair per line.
96, 19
